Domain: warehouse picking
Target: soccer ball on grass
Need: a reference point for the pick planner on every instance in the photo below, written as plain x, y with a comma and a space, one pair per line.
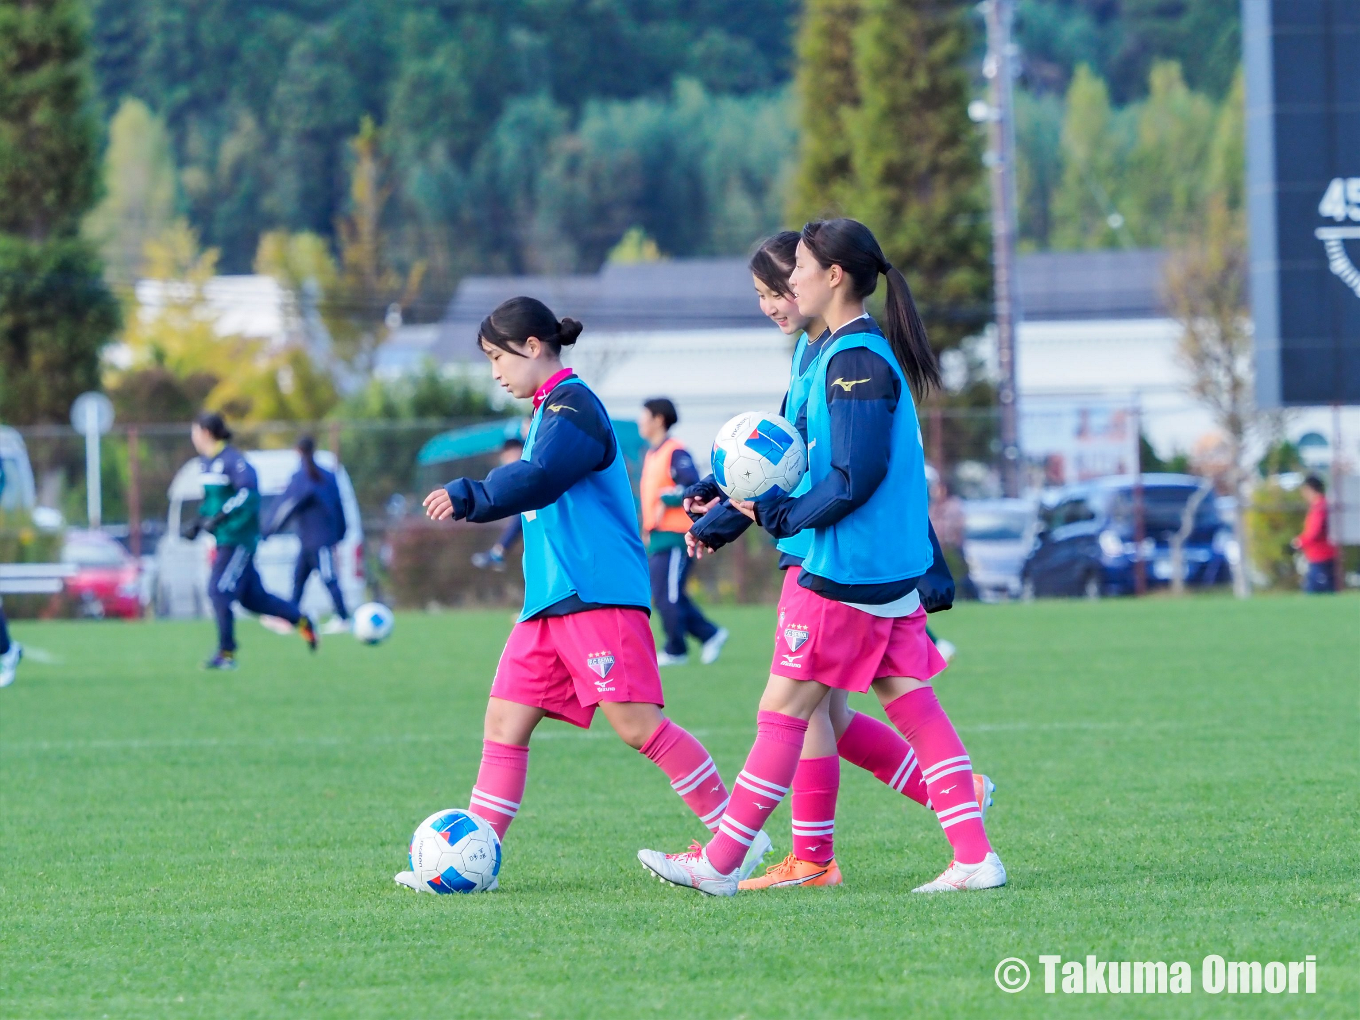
455, 851
373, 623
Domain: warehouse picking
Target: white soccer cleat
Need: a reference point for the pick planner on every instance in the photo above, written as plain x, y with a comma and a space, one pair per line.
667, 659
755, 853
690, 870
988, 874
946, 648
713, 647
335, 625
408, 879
9, 663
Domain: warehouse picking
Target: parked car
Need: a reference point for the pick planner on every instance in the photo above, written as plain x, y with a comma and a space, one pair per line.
1084, 541
183, 566
998, 534
108, 579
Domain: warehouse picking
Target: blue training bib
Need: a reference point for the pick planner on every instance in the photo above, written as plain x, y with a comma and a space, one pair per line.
800, 385
888, 537
587, 543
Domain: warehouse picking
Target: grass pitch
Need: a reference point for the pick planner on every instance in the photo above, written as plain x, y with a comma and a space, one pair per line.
1176, 778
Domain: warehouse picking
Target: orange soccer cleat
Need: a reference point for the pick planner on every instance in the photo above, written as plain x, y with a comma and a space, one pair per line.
792, 871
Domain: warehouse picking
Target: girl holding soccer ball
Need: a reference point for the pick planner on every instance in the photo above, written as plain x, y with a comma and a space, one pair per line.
583, 639
835, 731
853, 618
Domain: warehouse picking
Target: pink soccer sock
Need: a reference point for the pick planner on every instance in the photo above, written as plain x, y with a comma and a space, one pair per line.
690, 769
759, 788
500, 784
815, 786
947, 771
878, 748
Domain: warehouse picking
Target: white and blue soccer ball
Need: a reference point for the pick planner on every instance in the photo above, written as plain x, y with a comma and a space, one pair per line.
373, 623
455, 851
757, 454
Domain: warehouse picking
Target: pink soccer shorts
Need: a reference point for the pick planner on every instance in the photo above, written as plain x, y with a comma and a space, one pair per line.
566, 665
824, 640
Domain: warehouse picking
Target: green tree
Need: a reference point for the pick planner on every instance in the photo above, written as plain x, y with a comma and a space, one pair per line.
883, 88
1227, 170
1166, 176
827, 88
1038, 165
141, 190
55, 312
1085, 207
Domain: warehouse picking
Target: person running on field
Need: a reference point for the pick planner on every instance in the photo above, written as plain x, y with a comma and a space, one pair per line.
1316, 547
494, 558
667, 470
835, 731
853, 619
230, 512
312, 505
583, 640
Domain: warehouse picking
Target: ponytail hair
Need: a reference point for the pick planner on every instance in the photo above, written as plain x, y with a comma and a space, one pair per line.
773, 260
306, 448
514, 321
852, 246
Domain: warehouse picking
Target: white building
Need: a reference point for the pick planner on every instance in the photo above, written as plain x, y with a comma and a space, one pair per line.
1095, 332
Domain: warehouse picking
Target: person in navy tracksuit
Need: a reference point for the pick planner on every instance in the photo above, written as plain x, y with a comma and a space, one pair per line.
312, 504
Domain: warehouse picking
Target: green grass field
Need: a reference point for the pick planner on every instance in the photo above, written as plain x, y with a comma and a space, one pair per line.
1175, 779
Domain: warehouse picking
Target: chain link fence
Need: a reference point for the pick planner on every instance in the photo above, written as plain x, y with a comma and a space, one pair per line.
414, 564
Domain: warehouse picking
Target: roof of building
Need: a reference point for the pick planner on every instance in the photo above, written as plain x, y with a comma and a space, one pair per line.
715, 293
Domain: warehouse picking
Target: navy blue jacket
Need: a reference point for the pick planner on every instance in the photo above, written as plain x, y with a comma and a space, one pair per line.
574, 438
314, 507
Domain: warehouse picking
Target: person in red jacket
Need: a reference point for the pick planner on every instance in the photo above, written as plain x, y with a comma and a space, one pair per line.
1317, 549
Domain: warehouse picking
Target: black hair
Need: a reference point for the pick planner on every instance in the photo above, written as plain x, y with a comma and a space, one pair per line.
513, 443
663, 409
513, 322
306, 446
772, 261
852, 246
214, 424
1315, 483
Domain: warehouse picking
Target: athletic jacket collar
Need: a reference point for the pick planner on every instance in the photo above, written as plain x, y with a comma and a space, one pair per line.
552, 383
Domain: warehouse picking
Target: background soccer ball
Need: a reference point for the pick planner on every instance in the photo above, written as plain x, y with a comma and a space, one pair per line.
758, 453
455, 851
373, 623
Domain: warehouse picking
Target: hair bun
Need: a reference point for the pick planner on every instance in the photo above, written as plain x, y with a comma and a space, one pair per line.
567, 332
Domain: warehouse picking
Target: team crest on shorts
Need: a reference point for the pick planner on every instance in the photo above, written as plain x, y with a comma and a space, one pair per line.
795, 636
600, 663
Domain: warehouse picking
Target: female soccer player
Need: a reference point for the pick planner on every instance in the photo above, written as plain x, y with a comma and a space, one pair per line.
834, 731
312, 504
230, 511
583, 639
853, 618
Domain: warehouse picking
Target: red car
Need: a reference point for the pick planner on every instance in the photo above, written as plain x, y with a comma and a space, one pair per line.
107, 581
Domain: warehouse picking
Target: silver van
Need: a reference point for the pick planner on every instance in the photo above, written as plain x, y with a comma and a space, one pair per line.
183, 567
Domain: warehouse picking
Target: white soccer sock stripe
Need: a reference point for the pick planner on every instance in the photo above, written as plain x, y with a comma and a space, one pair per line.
710, 818
965, 767
903, 774
505, 807
731, 833
692, 781
970, 803
757, 785
745, 829
813, 828
932, 770
975, 813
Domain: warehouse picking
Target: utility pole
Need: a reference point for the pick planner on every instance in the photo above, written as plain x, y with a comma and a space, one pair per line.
997, 67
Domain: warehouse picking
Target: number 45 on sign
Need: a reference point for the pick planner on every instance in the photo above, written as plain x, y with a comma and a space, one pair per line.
1341, 200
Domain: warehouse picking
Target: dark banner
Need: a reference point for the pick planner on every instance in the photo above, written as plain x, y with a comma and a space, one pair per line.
1303, 175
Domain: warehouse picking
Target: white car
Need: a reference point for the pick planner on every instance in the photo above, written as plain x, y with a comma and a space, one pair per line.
183, 567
